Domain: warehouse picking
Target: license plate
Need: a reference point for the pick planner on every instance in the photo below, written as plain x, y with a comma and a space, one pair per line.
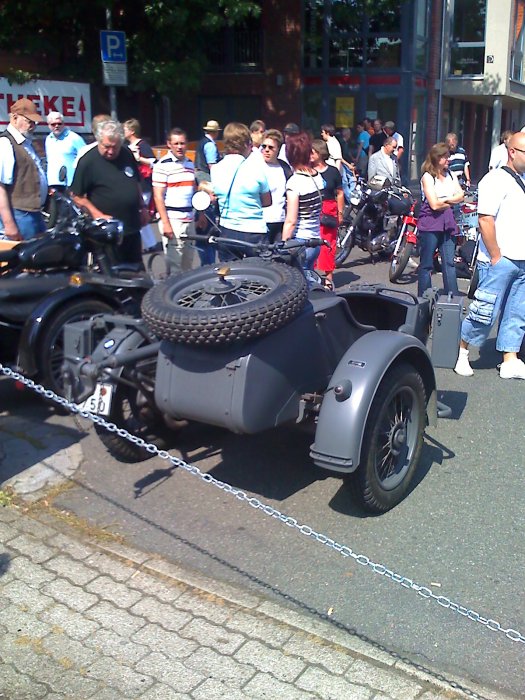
100, 401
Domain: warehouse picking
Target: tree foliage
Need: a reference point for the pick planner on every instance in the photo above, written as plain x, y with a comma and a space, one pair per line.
168, 40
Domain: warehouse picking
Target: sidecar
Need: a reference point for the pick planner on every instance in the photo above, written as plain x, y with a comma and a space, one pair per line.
222, 351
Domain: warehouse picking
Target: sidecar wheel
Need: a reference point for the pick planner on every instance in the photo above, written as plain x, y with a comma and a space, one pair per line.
130, 411
392, 441
220, 304
51, 346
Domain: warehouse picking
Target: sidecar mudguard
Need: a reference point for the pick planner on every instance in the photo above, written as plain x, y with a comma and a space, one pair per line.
36, 322
348, 398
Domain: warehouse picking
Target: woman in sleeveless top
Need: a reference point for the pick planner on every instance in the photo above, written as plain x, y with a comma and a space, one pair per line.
440, 191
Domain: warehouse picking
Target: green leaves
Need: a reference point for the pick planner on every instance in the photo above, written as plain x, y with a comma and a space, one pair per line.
167, 39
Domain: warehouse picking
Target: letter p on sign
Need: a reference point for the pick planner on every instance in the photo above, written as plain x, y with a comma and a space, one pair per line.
113, 47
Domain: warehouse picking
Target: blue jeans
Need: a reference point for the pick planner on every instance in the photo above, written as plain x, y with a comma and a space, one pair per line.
428, 242
348, 183
309, 256
501, 289
29, 223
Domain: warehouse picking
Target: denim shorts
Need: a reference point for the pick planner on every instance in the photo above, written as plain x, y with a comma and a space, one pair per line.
501, 291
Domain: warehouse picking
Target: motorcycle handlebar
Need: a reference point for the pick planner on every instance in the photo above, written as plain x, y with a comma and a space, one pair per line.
290, 244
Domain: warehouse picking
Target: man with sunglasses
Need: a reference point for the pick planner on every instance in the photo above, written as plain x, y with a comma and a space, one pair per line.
23, 182
277, 173
62, 149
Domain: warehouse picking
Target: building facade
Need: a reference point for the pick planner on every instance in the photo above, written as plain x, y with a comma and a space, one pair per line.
431, 66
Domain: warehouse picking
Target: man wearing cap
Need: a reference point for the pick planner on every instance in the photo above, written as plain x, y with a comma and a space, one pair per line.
207, 153
288, 130
23, 183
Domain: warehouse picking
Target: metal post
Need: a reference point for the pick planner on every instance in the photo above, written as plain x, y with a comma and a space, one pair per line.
112, 88
497, 111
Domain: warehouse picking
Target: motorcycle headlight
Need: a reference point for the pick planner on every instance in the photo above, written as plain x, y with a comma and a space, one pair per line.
107, 231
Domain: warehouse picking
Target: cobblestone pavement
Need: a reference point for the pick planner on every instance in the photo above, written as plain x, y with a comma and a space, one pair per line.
80, 619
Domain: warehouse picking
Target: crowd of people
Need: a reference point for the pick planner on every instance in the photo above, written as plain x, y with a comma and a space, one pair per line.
272, 185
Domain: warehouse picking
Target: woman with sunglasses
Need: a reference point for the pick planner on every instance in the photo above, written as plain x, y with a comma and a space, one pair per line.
278, 172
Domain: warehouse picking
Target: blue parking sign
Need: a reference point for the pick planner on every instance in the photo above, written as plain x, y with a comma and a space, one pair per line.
113, 47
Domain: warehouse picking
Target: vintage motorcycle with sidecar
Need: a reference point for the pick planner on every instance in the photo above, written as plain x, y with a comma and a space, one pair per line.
249, 345
68, 274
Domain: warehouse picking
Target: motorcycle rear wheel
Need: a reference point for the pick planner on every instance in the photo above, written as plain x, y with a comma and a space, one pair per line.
51, 346
129, 410
400, 260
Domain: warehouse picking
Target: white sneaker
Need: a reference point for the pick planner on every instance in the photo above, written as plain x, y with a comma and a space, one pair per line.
463, 365
512, 369
412, 263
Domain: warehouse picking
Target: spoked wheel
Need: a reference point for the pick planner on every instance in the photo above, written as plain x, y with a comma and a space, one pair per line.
400, 260
131, 410
219, 304
344, 243
393, 440
51, 347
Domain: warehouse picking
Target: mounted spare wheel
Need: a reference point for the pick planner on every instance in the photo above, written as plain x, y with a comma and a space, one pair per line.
220, 304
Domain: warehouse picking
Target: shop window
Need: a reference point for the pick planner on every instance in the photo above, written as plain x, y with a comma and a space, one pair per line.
467, 48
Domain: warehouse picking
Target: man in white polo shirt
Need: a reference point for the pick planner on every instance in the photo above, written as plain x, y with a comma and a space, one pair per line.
501, 265
173, 187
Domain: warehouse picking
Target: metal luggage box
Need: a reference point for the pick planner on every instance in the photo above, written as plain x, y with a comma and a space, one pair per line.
446, 330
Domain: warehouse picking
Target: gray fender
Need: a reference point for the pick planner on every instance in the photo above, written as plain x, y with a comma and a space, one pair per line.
348, 398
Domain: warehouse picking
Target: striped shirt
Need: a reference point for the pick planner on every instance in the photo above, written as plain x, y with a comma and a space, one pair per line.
177, 178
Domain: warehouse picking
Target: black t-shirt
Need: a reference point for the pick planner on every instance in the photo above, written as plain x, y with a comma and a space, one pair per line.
111, 185
377, 140
332, 182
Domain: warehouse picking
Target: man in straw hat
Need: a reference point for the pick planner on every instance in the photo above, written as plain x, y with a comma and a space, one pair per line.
207, 153
23, 183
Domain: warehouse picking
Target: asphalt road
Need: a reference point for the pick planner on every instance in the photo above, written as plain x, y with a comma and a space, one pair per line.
459, 531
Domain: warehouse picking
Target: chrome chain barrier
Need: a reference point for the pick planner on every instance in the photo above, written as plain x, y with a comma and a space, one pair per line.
255, 503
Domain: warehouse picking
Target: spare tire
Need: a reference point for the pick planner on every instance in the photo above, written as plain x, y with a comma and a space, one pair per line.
221, 304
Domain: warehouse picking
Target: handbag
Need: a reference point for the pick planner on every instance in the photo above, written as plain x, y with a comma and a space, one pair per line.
329, 221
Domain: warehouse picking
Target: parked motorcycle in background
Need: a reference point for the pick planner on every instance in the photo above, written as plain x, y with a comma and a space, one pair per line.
406, 243
373, 218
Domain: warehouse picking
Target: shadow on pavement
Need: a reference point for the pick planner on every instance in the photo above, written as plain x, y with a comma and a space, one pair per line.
5, 563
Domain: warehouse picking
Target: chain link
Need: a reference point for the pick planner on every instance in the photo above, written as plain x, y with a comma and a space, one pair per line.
272, 512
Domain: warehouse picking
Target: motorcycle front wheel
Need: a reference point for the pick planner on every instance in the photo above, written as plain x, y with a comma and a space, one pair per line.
399, 260
344, 243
